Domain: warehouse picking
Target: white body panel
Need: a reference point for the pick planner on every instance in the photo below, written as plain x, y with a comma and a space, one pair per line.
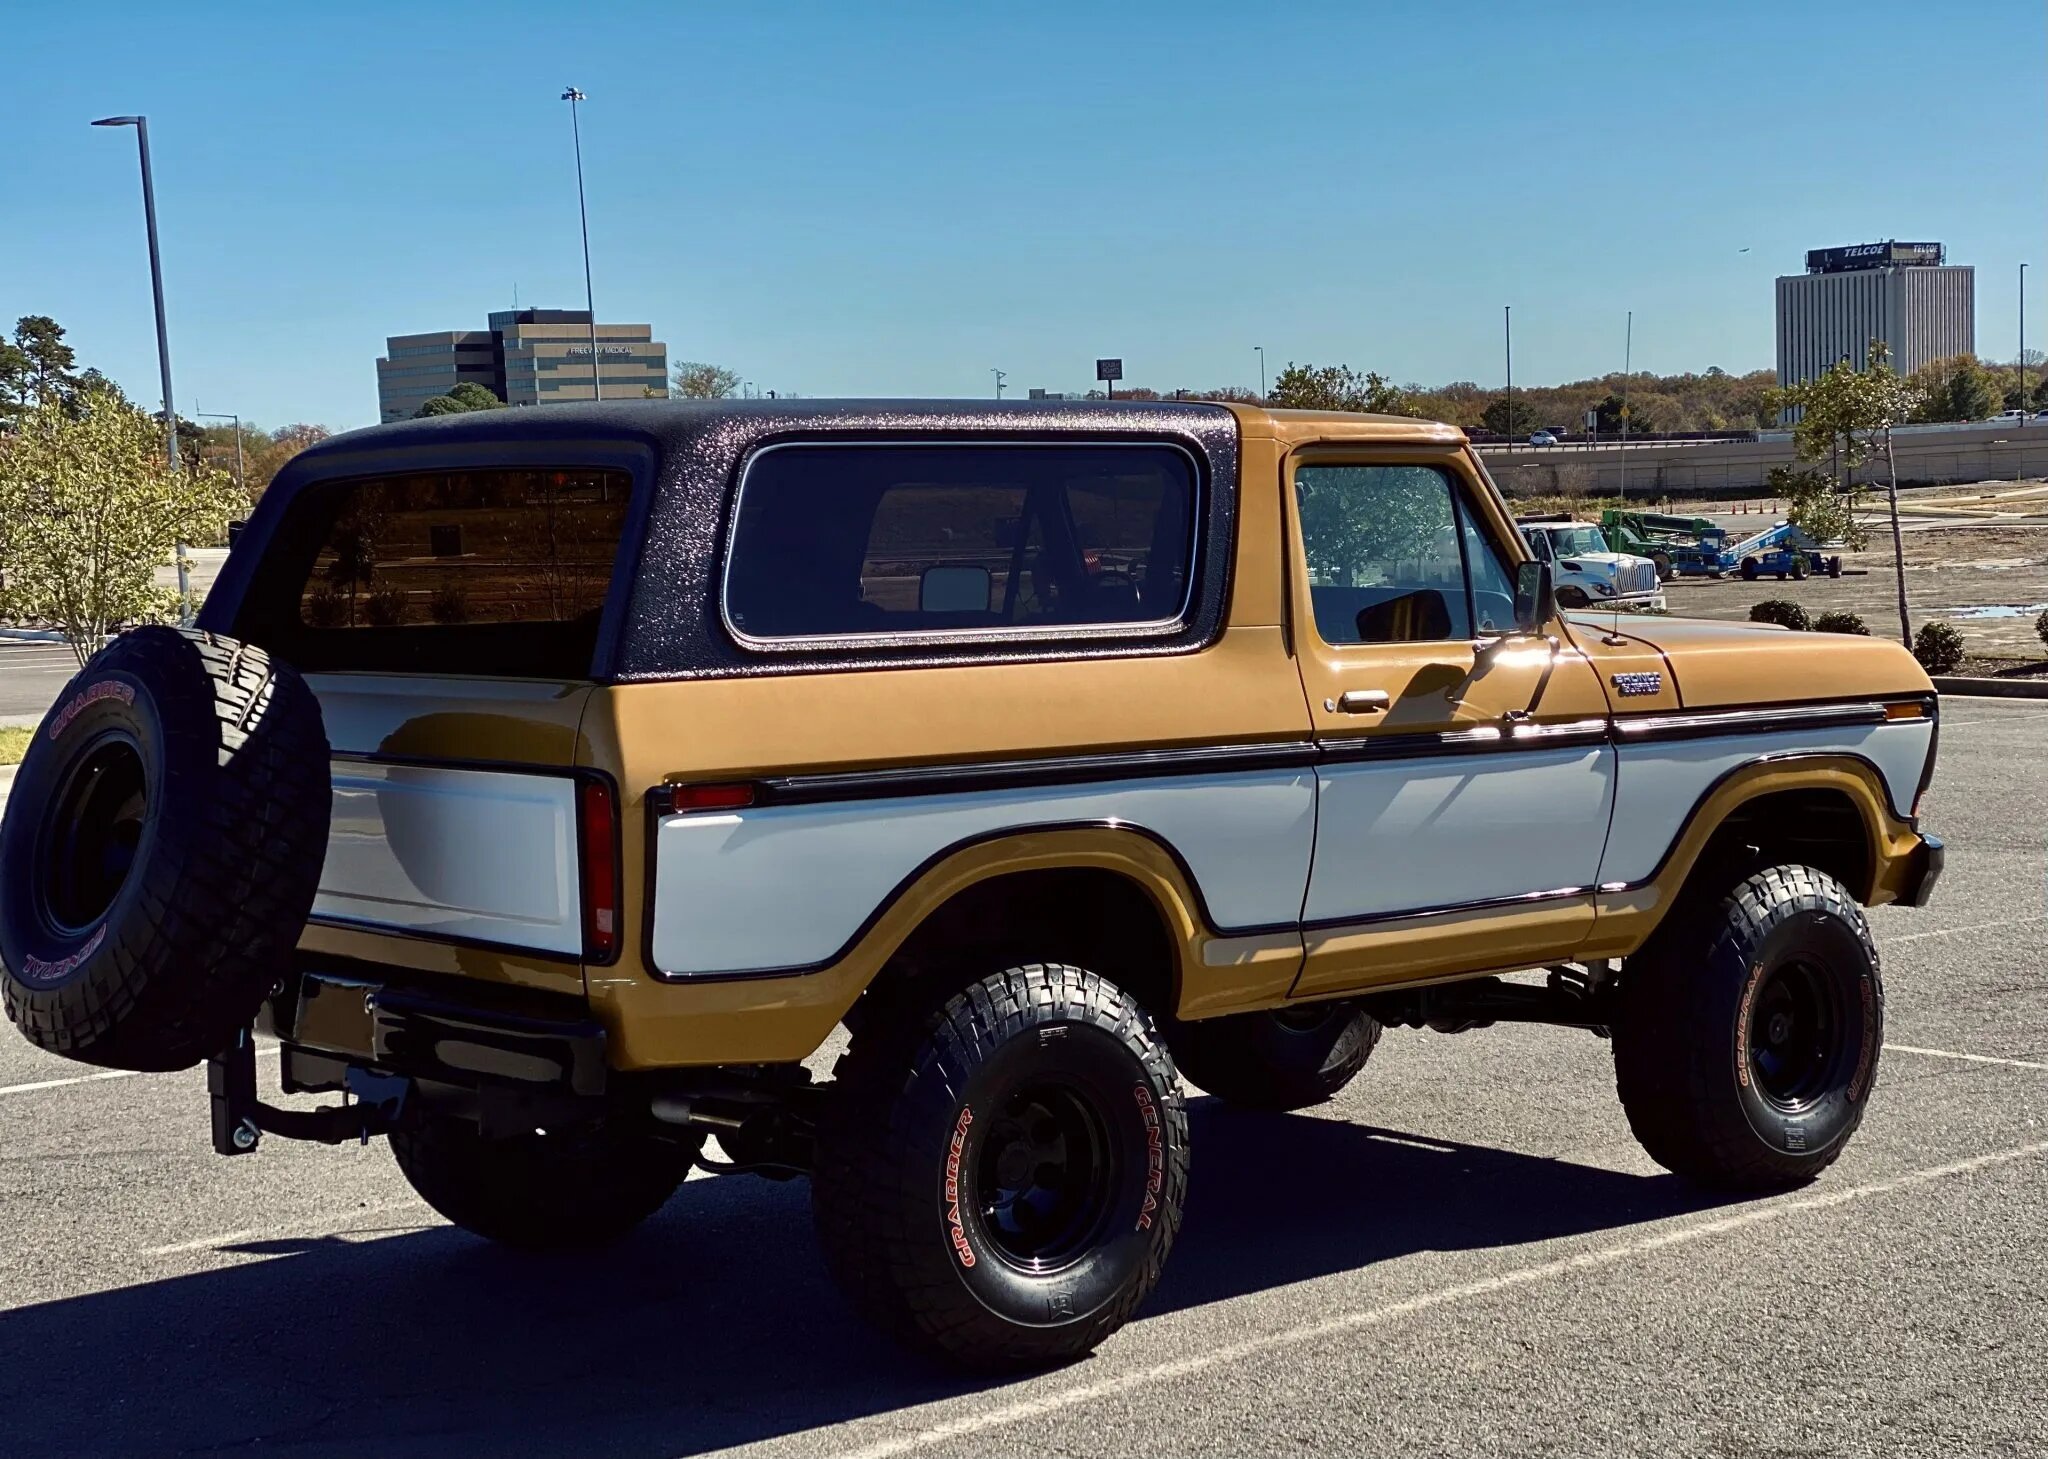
1660, 782
1405, 835
790, 886
479, 855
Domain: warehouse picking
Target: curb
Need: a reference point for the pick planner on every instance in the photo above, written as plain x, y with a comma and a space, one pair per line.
31, 635
1993, 688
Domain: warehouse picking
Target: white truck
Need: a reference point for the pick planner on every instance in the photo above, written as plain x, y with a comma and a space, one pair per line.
1587, 573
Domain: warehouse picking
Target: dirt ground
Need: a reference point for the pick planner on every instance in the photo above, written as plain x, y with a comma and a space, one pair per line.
1976, 557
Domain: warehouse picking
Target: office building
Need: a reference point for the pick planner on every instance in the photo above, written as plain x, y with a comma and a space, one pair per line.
525, 357
1905, 294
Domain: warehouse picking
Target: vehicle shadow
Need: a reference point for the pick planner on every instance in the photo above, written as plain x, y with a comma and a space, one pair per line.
714, 1325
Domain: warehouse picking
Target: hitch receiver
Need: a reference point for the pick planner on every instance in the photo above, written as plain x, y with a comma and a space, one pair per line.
240, 1119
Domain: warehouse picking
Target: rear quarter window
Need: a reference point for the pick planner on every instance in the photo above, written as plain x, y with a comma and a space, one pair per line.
840, 542
497, 572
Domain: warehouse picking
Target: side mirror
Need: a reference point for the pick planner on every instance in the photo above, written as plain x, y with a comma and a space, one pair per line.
1535, 597
953, 590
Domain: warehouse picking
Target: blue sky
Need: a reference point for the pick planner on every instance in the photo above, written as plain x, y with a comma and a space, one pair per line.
842, 199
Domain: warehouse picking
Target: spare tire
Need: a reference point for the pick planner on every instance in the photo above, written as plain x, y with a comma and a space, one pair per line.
161, 849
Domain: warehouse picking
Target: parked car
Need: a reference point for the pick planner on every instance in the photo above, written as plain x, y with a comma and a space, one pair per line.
552, 784
1586, 572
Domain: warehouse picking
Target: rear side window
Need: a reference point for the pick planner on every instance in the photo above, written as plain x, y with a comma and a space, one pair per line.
844, 541
457, 572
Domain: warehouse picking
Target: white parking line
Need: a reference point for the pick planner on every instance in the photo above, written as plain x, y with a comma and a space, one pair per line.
307, 1229
93, 1078
1442, 1297
1952, 931
1964, 1058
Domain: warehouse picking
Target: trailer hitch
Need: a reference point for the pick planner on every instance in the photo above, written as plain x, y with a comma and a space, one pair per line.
240, 1119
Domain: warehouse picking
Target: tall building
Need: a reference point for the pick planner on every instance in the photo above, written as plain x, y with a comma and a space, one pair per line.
526, 357
1902, 293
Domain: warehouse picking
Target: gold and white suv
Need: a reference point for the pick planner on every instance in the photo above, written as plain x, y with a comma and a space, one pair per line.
555, 783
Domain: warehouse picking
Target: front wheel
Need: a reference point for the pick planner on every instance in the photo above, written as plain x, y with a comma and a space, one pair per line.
999, 1180
1749, 1033
1750, 569
1572, 597
1663, 563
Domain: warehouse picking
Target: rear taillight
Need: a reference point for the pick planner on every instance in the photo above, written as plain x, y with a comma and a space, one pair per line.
598, 828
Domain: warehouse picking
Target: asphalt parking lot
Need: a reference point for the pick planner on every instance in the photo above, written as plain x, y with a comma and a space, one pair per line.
1465, 1254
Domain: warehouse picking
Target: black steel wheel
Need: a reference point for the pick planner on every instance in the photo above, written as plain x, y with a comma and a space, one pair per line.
999, 1179
1750, 1032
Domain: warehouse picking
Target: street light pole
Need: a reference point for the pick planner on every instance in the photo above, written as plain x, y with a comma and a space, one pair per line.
163, 335
2024, 402
240, 484
573, 97
1628, 346
1507, 315
1000, 377
1261, 351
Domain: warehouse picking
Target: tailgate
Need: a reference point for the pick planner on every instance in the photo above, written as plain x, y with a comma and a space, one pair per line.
455, 806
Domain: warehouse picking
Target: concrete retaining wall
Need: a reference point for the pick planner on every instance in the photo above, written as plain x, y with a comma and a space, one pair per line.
1927, 455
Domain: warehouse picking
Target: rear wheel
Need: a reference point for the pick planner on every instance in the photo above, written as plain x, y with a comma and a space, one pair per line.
1800, 568
558, 1190
1750, 1031
999, 1180
1663, 562
1287, 1058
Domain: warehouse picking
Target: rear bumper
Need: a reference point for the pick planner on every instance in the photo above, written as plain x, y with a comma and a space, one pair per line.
450, 1035
1923, 870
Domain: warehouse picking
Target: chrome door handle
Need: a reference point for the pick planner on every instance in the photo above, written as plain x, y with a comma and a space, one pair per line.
1363, 701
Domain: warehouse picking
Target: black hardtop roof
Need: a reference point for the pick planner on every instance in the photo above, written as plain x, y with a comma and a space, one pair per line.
673, 421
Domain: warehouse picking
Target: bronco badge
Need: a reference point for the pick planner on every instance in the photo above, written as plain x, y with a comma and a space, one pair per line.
1630, 685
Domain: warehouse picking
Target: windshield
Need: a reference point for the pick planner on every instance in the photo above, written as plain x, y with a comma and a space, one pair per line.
1573, 541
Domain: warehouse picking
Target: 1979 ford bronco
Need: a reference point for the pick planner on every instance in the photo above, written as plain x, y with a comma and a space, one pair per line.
551, 784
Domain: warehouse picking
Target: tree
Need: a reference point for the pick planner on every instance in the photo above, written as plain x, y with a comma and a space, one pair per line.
460, 399
36, 366
696, 381
1956, 388
1512, 421
1336, 387
1854, 412
475, 396
89, 506
1815, 505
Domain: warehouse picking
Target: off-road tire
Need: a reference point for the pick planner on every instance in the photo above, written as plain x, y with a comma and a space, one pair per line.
1751, 569
161, 849
919, 1130
1662, 561
574, 1189
1699, 1003
1571, 596
1800, 568
1282, 1059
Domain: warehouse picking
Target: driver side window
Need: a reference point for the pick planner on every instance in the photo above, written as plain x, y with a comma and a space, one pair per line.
1387, 550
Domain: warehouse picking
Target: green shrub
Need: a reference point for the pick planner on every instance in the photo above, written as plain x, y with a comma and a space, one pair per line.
1939, 647
1839, 622
1781, 611
2041, 627
385, 608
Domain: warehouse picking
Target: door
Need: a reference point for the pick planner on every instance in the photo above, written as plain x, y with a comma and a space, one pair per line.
1467, 778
